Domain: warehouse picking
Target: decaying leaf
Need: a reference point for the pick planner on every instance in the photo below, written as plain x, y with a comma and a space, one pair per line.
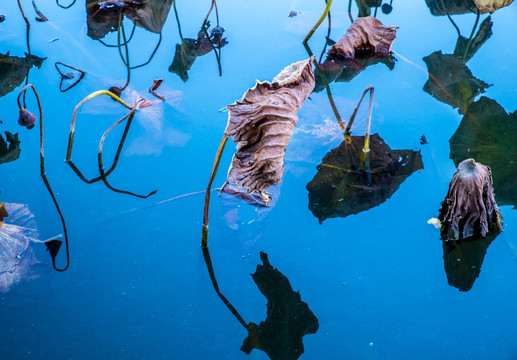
451, 81
465, 49
366, 34
451, 7
487, 133
344, 185
262, 123
9, 152
14, 69
469, 209
462, 260
288, 319
489, 6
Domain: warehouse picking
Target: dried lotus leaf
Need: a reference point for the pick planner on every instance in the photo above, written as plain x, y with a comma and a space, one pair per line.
489, 6
366, 34
261, 124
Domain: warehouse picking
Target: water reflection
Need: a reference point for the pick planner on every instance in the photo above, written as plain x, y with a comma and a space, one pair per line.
9, 152
14, 70
288, 318
349, 182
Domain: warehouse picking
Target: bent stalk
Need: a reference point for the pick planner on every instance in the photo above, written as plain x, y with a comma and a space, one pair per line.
368, 123
327, 9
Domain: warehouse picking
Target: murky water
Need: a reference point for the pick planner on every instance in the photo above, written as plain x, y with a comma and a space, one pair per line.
374, 279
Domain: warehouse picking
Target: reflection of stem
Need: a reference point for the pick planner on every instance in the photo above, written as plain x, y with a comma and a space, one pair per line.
328, 37
177, 19
350, 11
152, 55
44, 176
65, 7
129, 115
471, 36
117, 45
204, 234
126, 60
327, 8
28, 46
452, 21
368, 123
214, 3
82, 72
208, 262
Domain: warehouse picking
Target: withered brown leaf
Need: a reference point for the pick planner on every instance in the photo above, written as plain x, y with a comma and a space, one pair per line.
489, 6
261, 124
366, 34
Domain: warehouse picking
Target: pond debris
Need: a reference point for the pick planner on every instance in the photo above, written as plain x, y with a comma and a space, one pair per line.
68, 75
42, 168
387, 8
423, 140
469, 209
261, 124
2, 18
140, 103
155, 85
9, 152
53, 40
366, 35
41, 17
292, 13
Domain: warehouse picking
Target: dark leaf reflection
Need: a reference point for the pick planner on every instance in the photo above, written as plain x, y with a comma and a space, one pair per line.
9, 152
288, 319
14, 70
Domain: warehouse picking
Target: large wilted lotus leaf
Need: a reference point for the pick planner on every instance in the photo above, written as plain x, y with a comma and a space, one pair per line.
288, 319
368, 35
451, 7
14, 69
152, 16
487, 133
9, 152
16, 257
451, 81
489, 6
466, 49
462, 260
102, 21
469, 209
343, 186
261, 124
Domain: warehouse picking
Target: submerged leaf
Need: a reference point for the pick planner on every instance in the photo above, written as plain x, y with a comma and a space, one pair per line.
11, 152
367, 35
288, 319
489, 6
469, 209
487, 133
262, 123
346, 184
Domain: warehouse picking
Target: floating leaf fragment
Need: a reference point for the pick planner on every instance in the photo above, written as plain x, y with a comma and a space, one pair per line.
469, 209
261, 124
366, 34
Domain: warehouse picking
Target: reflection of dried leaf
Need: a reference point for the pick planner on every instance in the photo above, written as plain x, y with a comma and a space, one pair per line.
451, 7
462, 260
366, 35
487, 133
466, 49
469, 209
288, 320
343, 186
451, 82
490, 6
13, 70
262, 123
11, 152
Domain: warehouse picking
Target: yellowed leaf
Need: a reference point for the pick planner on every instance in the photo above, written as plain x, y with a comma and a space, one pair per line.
489, 6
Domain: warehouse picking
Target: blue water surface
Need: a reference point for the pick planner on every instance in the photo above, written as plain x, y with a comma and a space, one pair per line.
138, 285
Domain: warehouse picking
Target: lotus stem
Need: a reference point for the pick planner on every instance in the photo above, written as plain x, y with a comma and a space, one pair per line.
352, 117
177, 18
327, 9
42, 17
83, 73
116, 45
152, 54
204, 234
210, 268
450, 19
78, 106
23, 14
350, 11
44, 176
209, 11
333, 105
65, 7
471, 36
126, 60
369, 121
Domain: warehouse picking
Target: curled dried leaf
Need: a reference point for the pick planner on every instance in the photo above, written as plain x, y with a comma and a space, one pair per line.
262, 123
489, 6
469, 209
366, 34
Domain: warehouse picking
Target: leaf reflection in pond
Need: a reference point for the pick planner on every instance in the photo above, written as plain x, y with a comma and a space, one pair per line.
9, 152
346, 184
487, 133
14, 70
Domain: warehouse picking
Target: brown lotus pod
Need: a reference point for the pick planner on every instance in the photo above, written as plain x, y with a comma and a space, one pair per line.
366, 34
469, 209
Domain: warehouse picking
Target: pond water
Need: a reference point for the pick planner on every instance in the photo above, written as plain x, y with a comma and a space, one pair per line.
374, 279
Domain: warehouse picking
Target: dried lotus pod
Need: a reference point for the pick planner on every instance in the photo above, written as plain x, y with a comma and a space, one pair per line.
26, 118
469, 209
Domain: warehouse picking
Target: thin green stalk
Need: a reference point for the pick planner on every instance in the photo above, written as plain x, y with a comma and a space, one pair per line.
204, 234
471, 36
327, 8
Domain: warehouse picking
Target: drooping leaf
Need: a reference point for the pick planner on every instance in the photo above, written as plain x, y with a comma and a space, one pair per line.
262, 123
14, 69
466, 49
462, 260
489, 6
451, 7
451, 81
367, 35
469, 208
487, 133
346, 184
288, 319
9, 152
